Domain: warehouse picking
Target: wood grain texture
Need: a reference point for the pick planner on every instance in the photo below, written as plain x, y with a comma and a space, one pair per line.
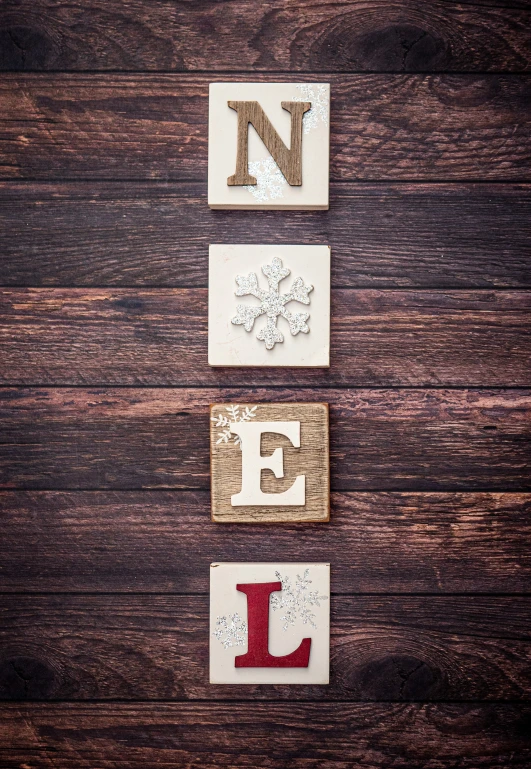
416, 440
104, 185
409, 36
385, 127
159, 337
162, 541
383, 236
310, 459
288, 160
156, 647
235, 736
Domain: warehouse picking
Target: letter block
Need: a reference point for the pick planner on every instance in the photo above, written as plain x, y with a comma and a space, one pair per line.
269, 623
269, 462
268, 145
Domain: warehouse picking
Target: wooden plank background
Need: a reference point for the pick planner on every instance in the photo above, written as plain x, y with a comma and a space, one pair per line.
104, 385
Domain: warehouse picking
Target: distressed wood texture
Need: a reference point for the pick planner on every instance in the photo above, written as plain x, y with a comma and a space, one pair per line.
162, 541
237, 736
387, 236
156, 647
159, 337
104, 410
415, 440
288, 160
385, 127
377, 35
311, 459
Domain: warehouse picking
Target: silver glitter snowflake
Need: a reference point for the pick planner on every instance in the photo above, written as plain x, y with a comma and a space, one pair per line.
231, 631
269, 180
272, 303
234, 415
318, 112
296, 600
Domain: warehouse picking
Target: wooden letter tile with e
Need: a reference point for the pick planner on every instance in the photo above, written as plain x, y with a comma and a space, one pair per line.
270, 462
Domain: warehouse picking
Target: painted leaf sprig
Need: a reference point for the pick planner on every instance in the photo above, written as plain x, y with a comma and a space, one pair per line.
234, 414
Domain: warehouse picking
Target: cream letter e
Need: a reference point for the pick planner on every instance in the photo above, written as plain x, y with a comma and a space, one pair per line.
253, 463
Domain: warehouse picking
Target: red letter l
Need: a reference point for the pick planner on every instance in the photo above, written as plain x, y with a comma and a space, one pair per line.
258, 655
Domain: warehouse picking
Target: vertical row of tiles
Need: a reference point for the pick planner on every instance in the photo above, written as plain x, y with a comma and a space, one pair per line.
269, 149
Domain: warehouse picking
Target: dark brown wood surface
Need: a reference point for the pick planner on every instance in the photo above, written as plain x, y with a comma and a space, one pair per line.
255, 735
137, 438
385, 127
162, 542
104, 386
159, 337
383, 235
239, 35
390, 648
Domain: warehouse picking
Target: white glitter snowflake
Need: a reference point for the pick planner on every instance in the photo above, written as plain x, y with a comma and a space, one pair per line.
234, 415
295, 601
231, 631
269, 180
318, 112
272, 303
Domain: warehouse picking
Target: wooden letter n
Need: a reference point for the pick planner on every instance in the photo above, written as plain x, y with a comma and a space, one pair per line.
288, 160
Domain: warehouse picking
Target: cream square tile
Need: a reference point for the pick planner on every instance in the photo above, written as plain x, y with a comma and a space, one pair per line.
269, 623
260, 315
297, 141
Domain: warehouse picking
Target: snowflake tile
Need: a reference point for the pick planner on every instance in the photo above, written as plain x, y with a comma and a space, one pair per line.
283, 316
296, 614
271, 190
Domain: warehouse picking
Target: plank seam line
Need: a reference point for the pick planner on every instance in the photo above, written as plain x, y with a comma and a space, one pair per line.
409, 181
264, 386
327, 703
333, 594
371, 287
176, 490
206, 490
306, 74
154, 182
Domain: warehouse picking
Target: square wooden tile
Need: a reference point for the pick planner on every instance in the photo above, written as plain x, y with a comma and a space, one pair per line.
264, 472
269, 623
259, 290
304, 137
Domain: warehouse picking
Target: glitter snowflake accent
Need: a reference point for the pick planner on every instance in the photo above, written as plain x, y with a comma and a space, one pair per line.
272, 303
234, 415
296, 600
318, 113
231, 631
270, 180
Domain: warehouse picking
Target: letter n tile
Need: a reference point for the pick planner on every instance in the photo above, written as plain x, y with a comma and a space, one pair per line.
268, 145
270, 462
